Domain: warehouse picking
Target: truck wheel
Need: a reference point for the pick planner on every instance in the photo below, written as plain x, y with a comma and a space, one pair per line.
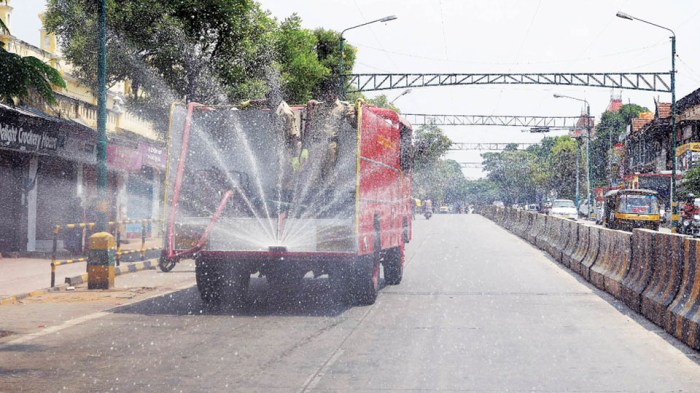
208, 280
234, 284
340, 283
365, 282
166, 264
393, 265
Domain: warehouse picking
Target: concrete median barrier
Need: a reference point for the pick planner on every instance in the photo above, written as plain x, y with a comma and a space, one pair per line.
620, 264
572, 242
576, 259
584, 268
682, 318
666, 278
555, 237
640, 269
543, 238
608, 243
536, 228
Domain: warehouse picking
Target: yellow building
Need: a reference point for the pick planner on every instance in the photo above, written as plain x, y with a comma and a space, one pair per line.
43, 181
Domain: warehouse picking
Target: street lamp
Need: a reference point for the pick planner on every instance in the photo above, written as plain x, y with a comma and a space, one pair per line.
588, 153
674, 207
102, 205
400, 95
341, 86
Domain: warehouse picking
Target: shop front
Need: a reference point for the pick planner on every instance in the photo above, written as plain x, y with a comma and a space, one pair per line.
41, 158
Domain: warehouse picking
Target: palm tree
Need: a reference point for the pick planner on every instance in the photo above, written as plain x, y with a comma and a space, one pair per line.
20, 74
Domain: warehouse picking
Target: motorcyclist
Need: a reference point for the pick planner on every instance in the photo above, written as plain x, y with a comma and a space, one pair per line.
689, 209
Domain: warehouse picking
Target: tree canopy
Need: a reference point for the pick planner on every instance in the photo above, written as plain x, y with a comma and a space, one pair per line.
225, 52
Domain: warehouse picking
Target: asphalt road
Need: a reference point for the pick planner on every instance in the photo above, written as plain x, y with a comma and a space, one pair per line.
478, 310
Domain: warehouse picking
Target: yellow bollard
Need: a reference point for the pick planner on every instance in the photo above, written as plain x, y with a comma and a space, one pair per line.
100, 266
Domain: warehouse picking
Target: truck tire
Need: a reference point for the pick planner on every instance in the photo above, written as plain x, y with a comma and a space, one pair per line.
365, 280
208, 280
235, 280
393, 265
340, 282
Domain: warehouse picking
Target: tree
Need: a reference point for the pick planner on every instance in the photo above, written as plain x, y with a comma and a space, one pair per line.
383, 102
302, 72
167, 50
564, 167
607, 133
430, 145
691, 181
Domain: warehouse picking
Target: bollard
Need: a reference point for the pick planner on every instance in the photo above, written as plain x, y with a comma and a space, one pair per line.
119, 246
143, 240
101, 259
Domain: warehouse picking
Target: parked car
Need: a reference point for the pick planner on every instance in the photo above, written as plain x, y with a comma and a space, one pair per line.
444, 209
564, 208
531, 207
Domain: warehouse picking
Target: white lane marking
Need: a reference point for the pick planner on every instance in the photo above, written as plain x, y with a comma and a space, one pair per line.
314, 379
85, 318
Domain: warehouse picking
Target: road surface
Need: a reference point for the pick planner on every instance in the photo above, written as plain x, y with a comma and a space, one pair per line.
479, 310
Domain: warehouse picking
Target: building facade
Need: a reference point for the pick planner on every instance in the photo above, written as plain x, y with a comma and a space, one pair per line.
48, 158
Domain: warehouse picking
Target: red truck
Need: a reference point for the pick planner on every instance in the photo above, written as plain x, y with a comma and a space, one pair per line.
283, 191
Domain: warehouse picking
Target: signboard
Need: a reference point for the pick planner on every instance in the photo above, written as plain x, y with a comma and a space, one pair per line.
688, 156
123, 158
25, 132
152, 156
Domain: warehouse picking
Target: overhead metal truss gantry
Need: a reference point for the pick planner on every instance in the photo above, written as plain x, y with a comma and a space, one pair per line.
649, 81
486, 146
418, 119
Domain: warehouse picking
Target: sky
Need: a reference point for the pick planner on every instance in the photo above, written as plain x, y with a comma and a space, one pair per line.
470, 36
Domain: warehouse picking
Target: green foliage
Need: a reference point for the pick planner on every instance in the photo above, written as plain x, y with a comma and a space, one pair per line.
691, 181
299, 62
430, 144
20, 75
211, 51
383, 102
525, 176
481, 191
607, 133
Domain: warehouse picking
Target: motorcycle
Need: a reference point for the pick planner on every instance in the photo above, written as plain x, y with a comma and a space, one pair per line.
428, 213
690, 226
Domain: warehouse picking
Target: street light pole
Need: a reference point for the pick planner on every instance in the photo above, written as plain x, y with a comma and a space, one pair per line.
674, 206
341, 83
400, 95
588, 150
102, 204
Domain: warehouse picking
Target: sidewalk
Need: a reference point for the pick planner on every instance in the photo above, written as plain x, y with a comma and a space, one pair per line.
24, 275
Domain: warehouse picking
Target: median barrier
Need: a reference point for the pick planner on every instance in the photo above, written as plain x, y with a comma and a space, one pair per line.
572, 241
640, 269
510, 219
574, 262
526, 221
682, 318
584, 268
535, 228
666, 278
608, 243
543, 238
555, 236
622, 255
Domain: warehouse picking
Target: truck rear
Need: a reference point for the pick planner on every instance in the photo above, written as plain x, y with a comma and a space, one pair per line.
283, 191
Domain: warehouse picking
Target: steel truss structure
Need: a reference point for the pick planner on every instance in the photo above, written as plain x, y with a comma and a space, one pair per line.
486, 146
418, 119
649, 81
471, 165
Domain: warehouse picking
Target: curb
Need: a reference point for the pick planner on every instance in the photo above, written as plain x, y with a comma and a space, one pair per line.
131, 268
72, 281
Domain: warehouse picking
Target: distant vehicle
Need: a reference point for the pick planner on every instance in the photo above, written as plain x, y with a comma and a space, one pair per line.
531, 207
546, 207
631, 208
564, 208
584, 209
499, 204
444, 209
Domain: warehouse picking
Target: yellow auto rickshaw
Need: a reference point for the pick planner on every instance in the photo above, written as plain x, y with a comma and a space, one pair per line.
627, 209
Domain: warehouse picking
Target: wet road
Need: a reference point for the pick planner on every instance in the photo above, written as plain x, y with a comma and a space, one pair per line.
478, 310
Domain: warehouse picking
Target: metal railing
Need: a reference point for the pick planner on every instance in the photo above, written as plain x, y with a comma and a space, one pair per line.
115, 227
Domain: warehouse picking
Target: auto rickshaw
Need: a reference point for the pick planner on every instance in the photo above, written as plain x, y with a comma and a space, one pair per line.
627, 209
